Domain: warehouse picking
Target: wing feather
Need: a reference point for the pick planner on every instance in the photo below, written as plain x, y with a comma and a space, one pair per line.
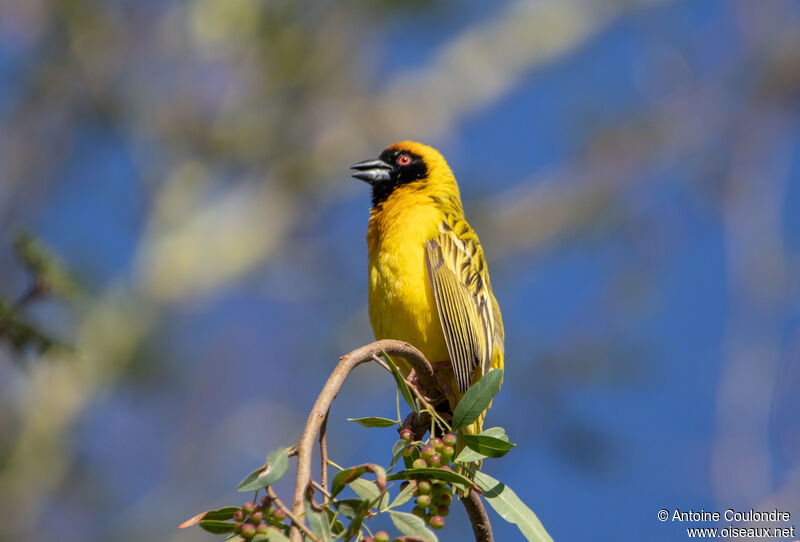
467, 310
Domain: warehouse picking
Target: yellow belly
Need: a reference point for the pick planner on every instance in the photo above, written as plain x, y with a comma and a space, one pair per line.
402, 305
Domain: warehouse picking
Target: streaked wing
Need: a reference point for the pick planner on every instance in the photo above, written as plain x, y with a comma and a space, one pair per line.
460, 283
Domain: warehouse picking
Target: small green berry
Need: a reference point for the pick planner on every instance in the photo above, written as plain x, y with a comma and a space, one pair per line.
445, 499
278, 515
406, 435
262, 528
424, 501
442, 511
238, 527
407, 452
418, 511
447, 452
238, 515
248, 508
381, 536
266, 500
426, 452
419, 463
437, 522
447, 467
449, 439
248, 530
424, 487
256, 517
437, 444
435, 460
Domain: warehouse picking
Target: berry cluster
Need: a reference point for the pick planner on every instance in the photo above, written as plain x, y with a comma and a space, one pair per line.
253, 519
433, 496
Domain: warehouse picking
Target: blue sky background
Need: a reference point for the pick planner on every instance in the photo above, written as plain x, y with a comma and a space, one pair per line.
675, 123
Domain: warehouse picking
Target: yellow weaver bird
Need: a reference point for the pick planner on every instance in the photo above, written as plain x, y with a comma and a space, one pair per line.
428, 280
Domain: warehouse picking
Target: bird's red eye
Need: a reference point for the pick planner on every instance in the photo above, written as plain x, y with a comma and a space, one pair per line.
403, 160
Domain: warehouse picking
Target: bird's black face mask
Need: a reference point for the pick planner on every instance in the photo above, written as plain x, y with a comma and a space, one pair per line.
394, 168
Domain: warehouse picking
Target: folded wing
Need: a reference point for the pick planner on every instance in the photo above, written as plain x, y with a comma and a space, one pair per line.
460, 283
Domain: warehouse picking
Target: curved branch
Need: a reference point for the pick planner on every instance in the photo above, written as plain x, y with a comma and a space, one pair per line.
426, 378
323, 458
329, 392
481, 526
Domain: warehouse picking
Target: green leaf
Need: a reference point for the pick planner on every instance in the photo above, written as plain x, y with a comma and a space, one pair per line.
509, 507
274, 535
432, 473
374, 421
347, 476
486, 445
401, 382
216, 526
477, 398
222, 513
403, 497
366, 490
369, 491
317, 520
275, 467
356, 510
496, 432
468, 455
259, 538
397, 452
412, 525
351, 508
333, 520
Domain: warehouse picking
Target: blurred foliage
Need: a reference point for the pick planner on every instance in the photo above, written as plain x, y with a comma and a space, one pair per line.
48, 279
49, 275
19, 334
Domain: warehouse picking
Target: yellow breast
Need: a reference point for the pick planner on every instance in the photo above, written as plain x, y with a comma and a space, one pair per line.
401, 302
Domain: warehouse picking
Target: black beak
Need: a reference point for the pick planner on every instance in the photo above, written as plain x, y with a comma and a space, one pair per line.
373, 171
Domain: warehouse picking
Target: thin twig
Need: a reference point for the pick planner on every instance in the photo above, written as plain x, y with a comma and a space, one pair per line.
413, 382
380, 362
424, 376
322, 490
329, 392
481, 526
296, 521
334, 464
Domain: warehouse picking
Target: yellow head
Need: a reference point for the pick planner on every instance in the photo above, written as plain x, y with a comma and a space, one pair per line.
408, 165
